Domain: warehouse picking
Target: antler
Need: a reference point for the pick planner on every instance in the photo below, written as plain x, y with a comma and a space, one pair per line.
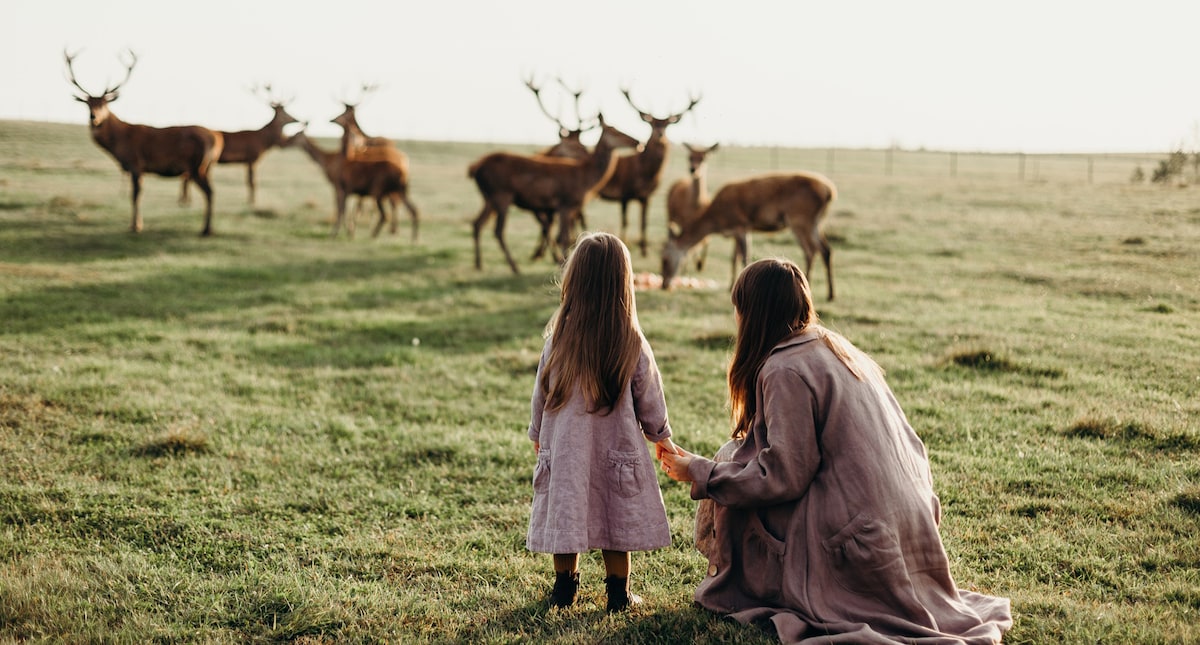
537, 92
70, 58
674, 118
111, 93
576, 94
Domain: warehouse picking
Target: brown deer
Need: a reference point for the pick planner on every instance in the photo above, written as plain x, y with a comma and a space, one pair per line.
379, 159
170, 152
798, 201
688, 197
637, 176
543, 185
376, 177
248, 146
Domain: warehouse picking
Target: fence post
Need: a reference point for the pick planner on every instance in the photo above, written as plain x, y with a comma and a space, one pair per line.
774, 157
953, 164
1021, 166
829, 162
1089, 170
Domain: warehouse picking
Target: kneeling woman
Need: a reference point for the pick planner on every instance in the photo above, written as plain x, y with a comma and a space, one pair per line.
824, 519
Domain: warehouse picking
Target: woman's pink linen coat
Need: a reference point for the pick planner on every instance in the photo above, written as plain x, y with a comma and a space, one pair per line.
824, 521
595, 485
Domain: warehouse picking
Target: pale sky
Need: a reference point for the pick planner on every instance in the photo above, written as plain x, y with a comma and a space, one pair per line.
1018, 75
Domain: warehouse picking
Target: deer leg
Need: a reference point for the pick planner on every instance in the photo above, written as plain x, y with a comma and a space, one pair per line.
501, 219
340, 201
566, 219
382, 216
393, 201
184, 198
545, 219
136, 188
414, 214
644, 241
202, 181
476, 227
702, 254
741, 251
624, 218
250, 181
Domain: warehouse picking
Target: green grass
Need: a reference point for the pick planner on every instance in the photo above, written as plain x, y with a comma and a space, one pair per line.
271, 435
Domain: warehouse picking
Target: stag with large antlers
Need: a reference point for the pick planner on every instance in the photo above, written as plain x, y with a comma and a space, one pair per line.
637, 176
248, 146
543, 184
769, 203
688, 197
170, 152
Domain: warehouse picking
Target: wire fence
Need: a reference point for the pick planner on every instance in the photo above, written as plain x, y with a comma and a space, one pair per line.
1018, 167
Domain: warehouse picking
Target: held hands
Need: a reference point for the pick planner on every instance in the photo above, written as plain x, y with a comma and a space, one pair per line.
675, 461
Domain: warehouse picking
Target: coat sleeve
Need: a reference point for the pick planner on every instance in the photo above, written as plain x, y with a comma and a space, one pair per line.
538, 402
649, 402
787, 457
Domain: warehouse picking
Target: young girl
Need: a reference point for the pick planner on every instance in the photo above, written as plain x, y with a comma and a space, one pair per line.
598, 393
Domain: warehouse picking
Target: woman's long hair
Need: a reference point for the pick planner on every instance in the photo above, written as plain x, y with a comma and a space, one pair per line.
596, 340
773, 301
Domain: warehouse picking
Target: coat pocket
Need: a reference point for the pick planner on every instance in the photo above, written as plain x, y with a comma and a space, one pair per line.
541, 471
762, 560
866, 557
626, 478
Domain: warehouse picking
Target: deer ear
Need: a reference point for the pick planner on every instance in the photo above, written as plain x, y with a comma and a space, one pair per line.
80, 99
673, 230
111, 96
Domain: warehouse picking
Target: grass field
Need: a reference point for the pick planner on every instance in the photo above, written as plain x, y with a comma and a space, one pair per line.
271, 435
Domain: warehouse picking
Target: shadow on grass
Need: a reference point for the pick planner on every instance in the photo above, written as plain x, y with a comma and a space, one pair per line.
534, 622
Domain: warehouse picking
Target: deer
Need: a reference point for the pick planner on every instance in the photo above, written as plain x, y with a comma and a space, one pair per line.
188, 150
248, 146
688, 197
637, 176
379, 153
798, 201
377, 178
568, 145
543, 184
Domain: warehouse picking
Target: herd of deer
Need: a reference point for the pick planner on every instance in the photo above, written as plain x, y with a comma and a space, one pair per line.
554, 185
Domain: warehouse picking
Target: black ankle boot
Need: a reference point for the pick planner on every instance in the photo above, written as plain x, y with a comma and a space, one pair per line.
619, 598
566, 583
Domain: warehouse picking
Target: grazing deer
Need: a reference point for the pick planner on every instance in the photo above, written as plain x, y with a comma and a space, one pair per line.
543, 185
768, 203
688, 197
637, 176
188, 150
248, 146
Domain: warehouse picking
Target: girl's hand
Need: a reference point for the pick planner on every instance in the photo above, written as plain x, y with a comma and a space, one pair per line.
676, 464
537, 446
663, 447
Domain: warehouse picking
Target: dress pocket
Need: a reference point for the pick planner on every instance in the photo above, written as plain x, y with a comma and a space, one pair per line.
541, 472
625, 472
762, 560
866, 557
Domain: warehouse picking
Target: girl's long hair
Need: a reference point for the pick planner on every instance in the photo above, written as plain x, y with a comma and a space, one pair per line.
596, 338
772, 301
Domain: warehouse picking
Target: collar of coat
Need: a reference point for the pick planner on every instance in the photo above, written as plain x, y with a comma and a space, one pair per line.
796, 339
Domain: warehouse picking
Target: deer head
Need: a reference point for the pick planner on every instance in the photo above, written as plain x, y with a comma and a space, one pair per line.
98, 104
697, 156
282, 117
347, 118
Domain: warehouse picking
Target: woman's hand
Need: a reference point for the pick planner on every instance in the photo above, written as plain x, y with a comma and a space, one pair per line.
537, 446
676, 464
